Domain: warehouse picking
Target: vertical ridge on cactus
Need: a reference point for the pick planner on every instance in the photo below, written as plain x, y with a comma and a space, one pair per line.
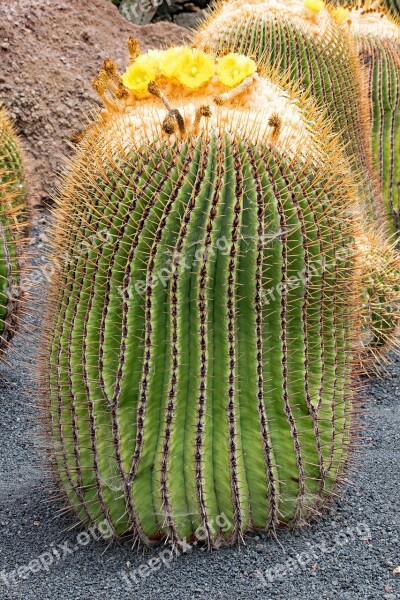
12, 205
197, 364
304, 43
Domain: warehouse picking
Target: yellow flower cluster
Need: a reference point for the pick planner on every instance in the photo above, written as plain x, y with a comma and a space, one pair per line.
189, 67
314, 5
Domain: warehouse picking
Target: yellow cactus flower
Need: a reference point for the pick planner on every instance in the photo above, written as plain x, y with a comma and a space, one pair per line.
234, 68
314, 5
191, 67
341, 15
139, 74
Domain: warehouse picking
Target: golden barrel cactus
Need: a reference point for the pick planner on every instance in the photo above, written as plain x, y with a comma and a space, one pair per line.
198, 358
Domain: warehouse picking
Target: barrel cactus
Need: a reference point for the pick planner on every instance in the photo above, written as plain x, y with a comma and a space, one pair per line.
12, 208
378, 41
198, 358
303, 41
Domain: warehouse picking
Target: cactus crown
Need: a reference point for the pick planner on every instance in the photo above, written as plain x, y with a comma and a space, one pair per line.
368, 21
308, 12
184, 91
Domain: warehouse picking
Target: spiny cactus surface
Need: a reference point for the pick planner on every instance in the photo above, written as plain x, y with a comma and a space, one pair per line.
12, 201
304, 43
197, 365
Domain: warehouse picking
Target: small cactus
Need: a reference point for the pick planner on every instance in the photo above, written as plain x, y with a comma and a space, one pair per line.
197, 364
303, 41
12, 209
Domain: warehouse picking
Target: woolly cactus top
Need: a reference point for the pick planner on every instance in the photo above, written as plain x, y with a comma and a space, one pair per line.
184, 90
368, 21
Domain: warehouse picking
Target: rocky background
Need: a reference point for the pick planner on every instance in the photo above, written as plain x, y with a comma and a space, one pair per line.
185, 13
50, 51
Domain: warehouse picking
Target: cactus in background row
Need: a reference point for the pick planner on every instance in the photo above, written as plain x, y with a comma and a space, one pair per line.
197, 366
378, 41
307, 45
12, 201
379, 263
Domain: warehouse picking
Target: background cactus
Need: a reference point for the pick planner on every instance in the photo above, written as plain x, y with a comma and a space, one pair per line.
198, 358
379, 263
304, 43
12, 205
378, 41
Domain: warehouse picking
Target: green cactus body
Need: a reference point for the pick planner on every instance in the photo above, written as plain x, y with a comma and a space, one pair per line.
12, 199
308, 47
198, 357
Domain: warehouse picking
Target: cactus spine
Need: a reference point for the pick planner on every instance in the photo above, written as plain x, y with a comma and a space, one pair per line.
12, 200
198, 357
304, 43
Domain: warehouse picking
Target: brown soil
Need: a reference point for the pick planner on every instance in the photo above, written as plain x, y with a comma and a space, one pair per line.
50, 50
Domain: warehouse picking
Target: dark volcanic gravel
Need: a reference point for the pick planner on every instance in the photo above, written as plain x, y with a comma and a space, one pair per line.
352, 553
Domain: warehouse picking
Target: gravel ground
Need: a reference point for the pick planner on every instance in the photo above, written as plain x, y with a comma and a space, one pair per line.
353, 552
